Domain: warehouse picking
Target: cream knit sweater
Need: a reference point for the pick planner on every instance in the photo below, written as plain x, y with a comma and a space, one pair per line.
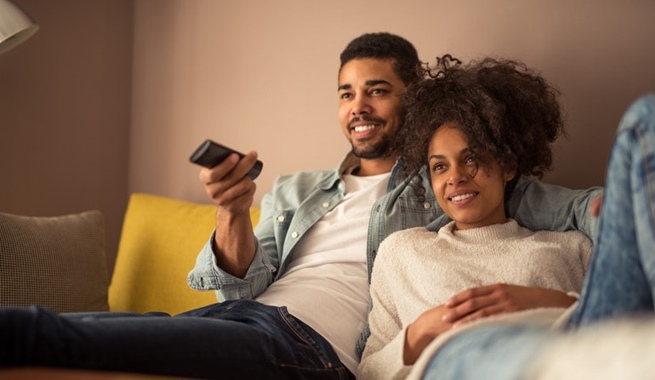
417, 269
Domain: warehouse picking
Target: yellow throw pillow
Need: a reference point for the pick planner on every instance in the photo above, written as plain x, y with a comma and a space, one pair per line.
160, 240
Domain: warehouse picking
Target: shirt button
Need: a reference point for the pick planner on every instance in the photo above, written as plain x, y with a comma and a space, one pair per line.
294, 234
341, 185
427, 205
280, 218
325, 205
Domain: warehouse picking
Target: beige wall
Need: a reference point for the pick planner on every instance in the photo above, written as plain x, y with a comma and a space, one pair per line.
84, 121
262, 74
65, 112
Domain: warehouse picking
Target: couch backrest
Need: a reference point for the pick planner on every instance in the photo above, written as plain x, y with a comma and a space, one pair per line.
160, 240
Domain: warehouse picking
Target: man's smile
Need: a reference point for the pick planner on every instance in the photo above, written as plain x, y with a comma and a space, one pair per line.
363, 128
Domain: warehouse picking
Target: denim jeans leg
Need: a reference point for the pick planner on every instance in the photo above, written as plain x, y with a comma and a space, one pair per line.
501, 352
621, 276
231, 340
296, 351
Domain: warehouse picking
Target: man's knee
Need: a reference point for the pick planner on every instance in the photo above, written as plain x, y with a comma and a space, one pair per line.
640, 115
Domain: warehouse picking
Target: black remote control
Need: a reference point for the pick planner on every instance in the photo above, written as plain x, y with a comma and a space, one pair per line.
210, 154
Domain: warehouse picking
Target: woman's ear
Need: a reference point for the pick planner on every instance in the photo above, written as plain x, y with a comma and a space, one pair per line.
510, 174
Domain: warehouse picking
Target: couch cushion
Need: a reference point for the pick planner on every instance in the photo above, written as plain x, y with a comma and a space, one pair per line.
159, 243
57, 262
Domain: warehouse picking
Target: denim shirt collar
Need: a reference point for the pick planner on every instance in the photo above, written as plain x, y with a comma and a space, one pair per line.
347, 164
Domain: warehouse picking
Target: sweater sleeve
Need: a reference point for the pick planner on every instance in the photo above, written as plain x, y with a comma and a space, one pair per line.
383, 356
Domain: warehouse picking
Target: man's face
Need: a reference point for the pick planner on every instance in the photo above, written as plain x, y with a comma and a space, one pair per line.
370, 106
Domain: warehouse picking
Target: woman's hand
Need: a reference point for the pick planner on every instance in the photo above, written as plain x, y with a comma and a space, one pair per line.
422, 331
485, 301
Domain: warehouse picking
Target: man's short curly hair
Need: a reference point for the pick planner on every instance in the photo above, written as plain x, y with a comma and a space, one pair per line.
385, 46
509, 114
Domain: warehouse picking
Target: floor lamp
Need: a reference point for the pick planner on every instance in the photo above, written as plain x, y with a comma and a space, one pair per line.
15, 26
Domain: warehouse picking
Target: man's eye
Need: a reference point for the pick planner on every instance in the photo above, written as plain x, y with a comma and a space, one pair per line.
345, 95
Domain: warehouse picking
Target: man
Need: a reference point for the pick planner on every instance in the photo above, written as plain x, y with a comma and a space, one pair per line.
294, 291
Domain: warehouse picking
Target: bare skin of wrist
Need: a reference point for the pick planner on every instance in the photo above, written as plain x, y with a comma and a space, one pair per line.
234, 255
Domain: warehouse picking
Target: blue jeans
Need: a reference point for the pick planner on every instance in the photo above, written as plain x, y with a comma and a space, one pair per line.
620, 281
232, 340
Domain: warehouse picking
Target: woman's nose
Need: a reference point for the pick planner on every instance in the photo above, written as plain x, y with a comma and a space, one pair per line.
459, 174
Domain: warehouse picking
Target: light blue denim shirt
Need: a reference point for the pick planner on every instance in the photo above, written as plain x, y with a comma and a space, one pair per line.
294, 205
298, 201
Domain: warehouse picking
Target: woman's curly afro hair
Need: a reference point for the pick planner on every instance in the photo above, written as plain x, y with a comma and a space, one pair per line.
509, 114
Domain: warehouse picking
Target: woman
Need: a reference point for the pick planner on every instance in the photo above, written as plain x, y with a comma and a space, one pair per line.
613, 321
482, 126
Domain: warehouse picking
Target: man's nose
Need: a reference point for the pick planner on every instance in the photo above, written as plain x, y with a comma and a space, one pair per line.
360, 106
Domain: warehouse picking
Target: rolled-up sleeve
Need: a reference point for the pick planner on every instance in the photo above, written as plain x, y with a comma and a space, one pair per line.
206, 275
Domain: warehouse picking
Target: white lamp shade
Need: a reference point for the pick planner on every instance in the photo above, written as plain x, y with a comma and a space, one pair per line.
15, 25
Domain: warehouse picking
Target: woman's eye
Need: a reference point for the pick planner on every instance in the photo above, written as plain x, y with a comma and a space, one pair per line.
437, 167
378, 91
471, 164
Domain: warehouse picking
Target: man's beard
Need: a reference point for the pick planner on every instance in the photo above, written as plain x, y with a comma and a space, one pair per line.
380, 149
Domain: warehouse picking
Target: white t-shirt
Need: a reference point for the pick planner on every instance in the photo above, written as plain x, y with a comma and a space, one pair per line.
326, 283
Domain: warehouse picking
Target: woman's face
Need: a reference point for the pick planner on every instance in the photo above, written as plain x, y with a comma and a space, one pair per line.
471, 195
